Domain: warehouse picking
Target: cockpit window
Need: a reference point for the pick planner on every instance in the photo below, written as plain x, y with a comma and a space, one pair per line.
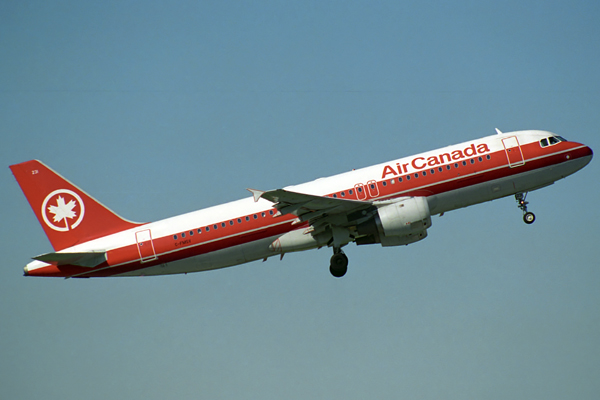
552, 140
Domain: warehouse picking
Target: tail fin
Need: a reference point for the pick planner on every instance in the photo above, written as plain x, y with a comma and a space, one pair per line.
68, 215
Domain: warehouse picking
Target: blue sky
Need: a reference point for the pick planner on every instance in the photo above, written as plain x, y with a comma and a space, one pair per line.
160, 108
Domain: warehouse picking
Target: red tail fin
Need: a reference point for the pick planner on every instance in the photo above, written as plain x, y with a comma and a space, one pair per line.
68, 215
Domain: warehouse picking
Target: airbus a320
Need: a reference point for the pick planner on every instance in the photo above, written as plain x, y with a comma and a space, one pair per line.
390, 204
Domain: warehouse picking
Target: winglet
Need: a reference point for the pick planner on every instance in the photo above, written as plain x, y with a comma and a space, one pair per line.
498, 131
256, 194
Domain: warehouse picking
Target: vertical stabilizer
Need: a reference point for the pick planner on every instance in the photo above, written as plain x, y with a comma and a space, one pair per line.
68, 214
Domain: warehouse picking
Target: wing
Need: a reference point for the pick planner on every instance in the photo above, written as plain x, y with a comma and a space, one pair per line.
319, 211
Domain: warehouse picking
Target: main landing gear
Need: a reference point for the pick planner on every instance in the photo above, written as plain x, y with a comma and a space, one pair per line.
528, 216
338, 265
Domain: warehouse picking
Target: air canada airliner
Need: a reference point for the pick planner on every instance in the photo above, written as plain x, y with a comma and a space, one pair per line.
390, 204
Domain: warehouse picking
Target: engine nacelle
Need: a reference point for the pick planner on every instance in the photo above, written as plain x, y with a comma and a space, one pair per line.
397, 223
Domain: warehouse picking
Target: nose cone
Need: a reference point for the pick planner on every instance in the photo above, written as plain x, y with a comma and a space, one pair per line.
581, 156
588, 154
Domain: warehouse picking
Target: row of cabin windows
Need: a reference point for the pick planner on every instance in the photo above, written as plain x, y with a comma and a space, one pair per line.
416, 175
223, 225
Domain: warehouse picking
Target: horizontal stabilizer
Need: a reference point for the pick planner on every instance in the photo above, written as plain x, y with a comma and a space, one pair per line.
88, 259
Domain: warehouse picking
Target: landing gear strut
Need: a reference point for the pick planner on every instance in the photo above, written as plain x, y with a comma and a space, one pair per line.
338, 265
528, 217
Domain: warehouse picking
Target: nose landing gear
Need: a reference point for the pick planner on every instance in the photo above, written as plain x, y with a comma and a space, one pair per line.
528, 217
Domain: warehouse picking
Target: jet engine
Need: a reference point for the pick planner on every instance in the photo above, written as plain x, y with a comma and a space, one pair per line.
396, 223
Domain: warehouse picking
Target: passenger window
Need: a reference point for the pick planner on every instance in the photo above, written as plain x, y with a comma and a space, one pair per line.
448, 167
408, 177
399, 179
199, 231
207, 228
247, 218
175, 237
335, 196
464, 163
384, 183
432, 171
183, 235
222, 224
440, 169
455, 165
191, 233
480, 159
343, 194
472, 161
271, 212
416, 175
231, 222
239, 220
350, 192
488, 157
215, 227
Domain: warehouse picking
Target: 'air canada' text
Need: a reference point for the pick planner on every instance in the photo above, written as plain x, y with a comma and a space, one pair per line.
419, 163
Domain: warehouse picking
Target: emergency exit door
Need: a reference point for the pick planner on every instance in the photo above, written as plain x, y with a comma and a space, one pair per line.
145, 246
513, 152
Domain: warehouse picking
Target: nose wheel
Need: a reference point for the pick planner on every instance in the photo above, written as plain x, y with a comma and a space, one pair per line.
528, 216
338, 265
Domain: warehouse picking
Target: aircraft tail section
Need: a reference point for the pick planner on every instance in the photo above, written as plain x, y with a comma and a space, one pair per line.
67, 214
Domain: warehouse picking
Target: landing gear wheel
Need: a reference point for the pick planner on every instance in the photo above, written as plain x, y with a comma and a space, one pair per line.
338, 265
529, 218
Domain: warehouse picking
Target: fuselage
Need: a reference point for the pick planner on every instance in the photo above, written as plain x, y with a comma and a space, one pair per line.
241, 231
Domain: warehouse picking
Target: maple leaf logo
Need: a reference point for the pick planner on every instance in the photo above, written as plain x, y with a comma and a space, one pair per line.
63, 216
62, 211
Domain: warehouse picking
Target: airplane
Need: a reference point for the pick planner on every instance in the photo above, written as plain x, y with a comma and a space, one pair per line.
390, 204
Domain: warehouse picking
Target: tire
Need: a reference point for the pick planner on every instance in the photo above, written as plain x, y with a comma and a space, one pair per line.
338, 265
529, 218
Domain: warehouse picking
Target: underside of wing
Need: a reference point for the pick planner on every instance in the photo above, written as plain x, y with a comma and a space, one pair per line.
333, 221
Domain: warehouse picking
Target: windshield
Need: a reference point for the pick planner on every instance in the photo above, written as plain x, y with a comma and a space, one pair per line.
552, 140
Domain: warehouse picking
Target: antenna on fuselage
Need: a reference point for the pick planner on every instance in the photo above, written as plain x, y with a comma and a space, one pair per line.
498, 131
